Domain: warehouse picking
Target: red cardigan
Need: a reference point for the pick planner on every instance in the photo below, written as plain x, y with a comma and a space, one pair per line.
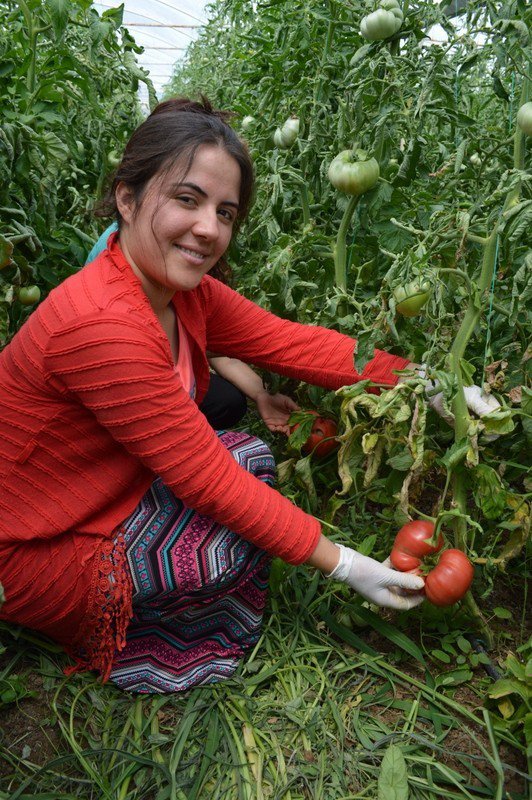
91, 410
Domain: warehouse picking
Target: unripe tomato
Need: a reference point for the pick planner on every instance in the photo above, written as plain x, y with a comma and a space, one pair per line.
524, 118
285, 137
29, 295
321, 441
247, 122
411, 547
381, 24
450, 579
353, 172
113, 159
475, 159
410, 298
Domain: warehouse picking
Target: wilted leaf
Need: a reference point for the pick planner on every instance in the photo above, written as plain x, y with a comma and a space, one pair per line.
488, 491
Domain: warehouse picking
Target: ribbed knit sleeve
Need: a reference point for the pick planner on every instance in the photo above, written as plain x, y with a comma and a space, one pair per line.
121, 372
239, 328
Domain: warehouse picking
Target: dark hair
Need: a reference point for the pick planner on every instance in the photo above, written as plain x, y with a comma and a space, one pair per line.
176, 128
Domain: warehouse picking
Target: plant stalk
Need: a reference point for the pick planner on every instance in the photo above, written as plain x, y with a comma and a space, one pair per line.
340, 249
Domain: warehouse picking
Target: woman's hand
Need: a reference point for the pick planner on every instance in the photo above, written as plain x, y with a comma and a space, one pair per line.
377, 582
275, 410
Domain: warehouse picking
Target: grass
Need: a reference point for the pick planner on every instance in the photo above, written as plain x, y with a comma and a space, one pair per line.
311, 713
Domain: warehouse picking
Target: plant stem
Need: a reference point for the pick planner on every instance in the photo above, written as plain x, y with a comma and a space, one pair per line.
340, 250
305, 203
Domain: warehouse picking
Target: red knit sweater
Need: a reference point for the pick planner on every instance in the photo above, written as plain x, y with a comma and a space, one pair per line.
91, 410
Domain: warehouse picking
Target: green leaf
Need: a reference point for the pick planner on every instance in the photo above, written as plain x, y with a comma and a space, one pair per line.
402, 461
393, 777
502, 613
59, 12
392, 633
455, 455
115, 15
508, 686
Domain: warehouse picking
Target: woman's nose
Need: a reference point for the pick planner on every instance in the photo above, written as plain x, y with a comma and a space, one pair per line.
206, 224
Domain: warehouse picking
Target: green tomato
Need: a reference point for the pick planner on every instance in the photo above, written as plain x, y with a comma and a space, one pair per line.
247, 122
353, 172
29, 295
475, 159
380, 24
113, 159
524, 118
285, 137
410, 298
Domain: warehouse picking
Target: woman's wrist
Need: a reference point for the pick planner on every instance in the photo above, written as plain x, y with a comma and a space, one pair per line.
325, 555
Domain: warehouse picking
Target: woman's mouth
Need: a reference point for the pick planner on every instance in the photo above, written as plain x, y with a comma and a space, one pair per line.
192, 253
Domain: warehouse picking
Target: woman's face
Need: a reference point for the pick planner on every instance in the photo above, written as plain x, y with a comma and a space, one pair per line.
183, 223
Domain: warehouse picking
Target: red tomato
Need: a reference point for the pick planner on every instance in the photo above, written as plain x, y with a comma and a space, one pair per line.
321, 441
450, 579
410, 546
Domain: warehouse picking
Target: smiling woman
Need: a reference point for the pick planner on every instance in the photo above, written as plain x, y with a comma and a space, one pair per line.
182, 226
130, 531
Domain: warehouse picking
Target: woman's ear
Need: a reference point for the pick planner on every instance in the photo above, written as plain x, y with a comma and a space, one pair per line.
125, 201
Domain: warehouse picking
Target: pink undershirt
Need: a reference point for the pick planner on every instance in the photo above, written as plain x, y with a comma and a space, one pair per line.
184, 361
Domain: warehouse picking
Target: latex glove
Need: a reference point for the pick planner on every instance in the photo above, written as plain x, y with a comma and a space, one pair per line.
477, 401
275, 410
376, 582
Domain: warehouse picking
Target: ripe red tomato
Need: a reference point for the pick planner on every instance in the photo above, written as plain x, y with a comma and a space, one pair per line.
450, 579
410, 546
321, 441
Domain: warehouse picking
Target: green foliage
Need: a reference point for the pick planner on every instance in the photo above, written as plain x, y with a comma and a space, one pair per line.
68, 84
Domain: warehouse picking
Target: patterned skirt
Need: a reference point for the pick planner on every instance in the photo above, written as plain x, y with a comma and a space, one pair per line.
199, 590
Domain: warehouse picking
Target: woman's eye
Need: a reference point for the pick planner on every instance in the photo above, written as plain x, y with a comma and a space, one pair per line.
184, 198
226, 214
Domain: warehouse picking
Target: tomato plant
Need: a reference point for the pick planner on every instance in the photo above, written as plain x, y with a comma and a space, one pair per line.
450, 579
411, 545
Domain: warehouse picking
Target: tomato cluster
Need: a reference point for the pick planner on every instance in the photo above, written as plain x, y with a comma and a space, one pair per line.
451, 577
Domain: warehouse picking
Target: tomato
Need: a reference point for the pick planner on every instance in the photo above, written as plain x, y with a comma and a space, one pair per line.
353, 172
382, 23
247, 122
29, 295
321, 441
410, 298
411, 547
524, 118
450, 579
285, 137
113, 159
475, 159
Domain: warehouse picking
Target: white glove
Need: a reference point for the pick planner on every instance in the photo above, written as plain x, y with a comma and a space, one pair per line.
376, 582
477, 401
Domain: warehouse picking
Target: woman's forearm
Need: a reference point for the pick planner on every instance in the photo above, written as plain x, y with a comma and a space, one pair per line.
239, 374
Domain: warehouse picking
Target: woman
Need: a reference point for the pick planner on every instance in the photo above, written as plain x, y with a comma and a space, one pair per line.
130, 531
231, 381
